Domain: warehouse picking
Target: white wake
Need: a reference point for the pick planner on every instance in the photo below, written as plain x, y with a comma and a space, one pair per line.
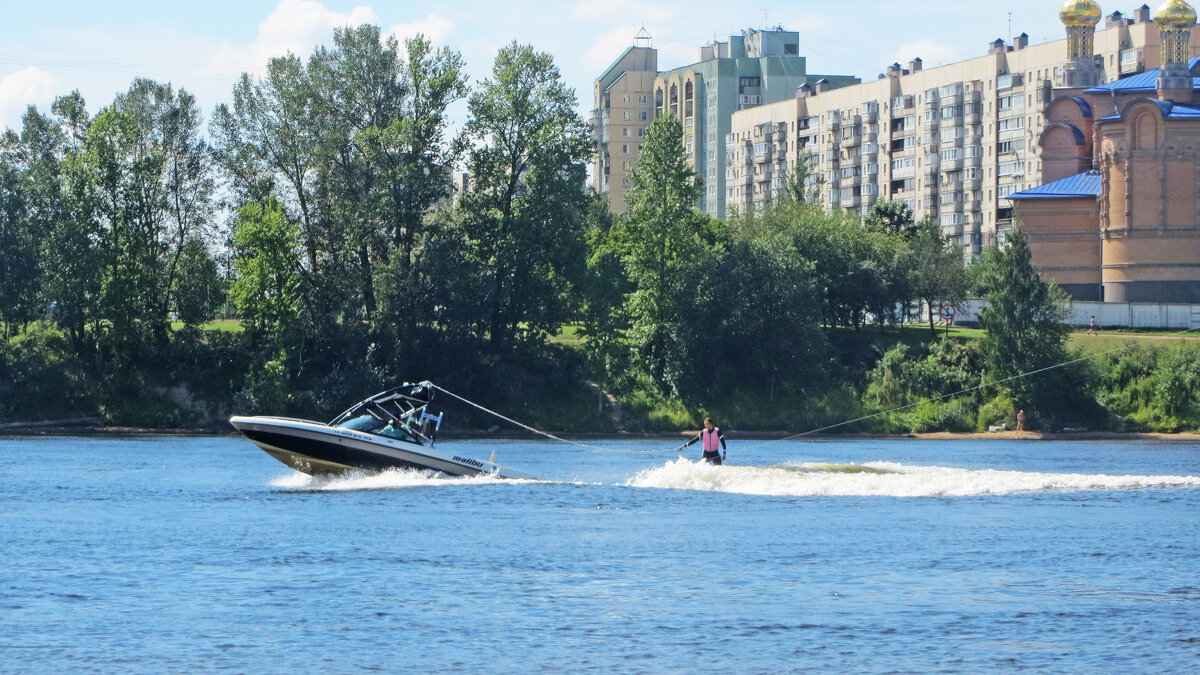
386, 480
885, 479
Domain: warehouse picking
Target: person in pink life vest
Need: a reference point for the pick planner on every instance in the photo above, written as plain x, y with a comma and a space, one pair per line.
713, 442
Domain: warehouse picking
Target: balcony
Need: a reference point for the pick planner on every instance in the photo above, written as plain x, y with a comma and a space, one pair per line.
1132, 61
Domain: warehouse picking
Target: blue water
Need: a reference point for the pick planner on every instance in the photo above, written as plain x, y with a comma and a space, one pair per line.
179, 555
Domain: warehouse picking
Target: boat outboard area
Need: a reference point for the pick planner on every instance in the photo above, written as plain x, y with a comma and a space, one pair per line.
390, 430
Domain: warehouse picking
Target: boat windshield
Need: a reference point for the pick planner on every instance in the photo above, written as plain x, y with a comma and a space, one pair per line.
363, 423
372, 425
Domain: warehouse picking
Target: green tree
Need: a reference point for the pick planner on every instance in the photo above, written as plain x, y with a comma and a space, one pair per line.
604, 294
804, 183
524, 214
891, 217
665, 241
19, 250
199, 288
765, 310
266, 285
60, 208
269, 142
1026, 331
936, 271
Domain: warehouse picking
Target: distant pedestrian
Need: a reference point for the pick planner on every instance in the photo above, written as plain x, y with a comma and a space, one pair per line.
713, 442
1092, 325
1020, 420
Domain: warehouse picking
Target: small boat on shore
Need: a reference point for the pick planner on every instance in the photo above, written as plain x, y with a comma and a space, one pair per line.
390, 430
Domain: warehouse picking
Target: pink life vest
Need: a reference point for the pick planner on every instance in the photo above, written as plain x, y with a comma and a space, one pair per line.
712, 439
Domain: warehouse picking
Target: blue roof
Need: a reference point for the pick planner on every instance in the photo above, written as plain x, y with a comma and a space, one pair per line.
1085, 184
1142, 81
1169, 110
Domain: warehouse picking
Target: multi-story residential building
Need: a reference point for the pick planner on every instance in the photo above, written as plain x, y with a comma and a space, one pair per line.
749, 70
953, 142
623, 112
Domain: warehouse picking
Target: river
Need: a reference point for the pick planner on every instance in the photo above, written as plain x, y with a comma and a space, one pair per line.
188, 554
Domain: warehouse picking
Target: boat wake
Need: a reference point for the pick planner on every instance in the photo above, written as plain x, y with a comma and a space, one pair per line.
386, 480
883, 479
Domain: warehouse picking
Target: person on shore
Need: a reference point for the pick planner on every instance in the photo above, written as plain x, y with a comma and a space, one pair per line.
1020, 420
713, 442
1092, 325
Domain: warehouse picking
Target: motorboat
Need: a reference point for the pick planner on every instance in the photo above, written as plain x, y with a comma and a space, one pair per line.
390, 430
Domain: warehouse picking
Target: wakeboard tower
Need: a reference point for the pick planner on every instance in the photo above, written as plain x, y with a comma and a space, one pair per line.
390, 430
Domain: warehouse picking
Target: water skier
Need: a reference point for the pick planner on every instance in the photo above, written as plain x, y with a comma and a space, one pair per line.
712, 439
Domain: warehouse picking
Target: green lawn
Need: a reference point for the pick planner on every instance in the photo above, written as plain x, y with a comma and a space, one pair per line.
570, 335
222, 325
1105, 341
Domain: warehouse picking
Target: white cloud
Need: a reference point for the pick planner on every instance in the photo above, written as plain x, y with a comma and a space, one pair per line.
20, 89
436, 28
295, 26
932, 53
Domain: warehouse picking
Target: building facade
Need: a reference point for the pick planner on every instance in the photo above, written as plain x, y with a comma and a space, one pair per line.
953, 142
751, 69
1118, 216
623, 112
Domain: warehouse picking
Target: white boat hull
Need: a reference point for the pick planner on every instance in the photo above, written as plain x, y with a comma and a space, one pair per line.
316, 449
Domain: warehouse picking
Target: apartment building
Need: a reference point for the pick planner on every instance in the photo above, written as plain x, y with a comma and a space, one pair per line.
953, 141
623, 112
748, 70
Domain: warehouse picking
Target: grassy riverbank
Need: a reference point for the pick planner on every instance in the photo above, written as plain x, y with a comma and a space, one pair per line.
1137, 383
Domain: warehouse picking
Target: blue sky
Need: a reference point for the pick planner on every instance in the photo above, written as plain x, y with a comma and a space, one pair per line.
50, 47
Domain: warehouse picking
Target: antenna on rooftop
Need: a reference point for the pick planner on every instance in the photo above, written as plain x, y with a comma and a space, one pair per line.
643, 38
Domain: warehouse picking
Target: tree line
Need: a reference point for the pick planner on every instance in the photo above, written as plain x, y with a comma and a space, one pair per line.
321, 207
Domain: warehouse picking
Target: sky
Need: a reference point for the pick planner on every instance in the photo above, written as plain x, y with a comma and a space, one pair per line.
52, 47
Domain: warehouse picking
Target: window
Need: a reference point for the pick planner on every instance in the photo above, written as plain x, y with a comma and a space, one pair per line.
625, 115
643, 115
625, 131
1014, 102
1011, 124
1014, 146
1011, 169
951, 154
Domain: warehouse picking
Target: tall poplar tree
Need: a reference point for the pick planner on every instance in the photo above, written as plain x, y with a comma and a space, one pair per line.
1026, 330
663, 240
525, 212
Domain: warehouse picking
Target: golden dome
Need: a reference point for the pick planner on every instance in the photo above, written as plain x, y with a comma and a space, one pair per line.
1175, 14
1079, 13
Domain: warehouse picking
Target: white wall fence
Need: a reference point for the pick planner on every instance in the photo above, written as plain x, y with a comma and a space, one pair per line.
1110, 314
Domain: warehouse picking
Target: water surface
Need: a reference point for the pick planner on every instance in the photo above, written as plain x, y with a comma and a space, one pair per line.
153, 555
